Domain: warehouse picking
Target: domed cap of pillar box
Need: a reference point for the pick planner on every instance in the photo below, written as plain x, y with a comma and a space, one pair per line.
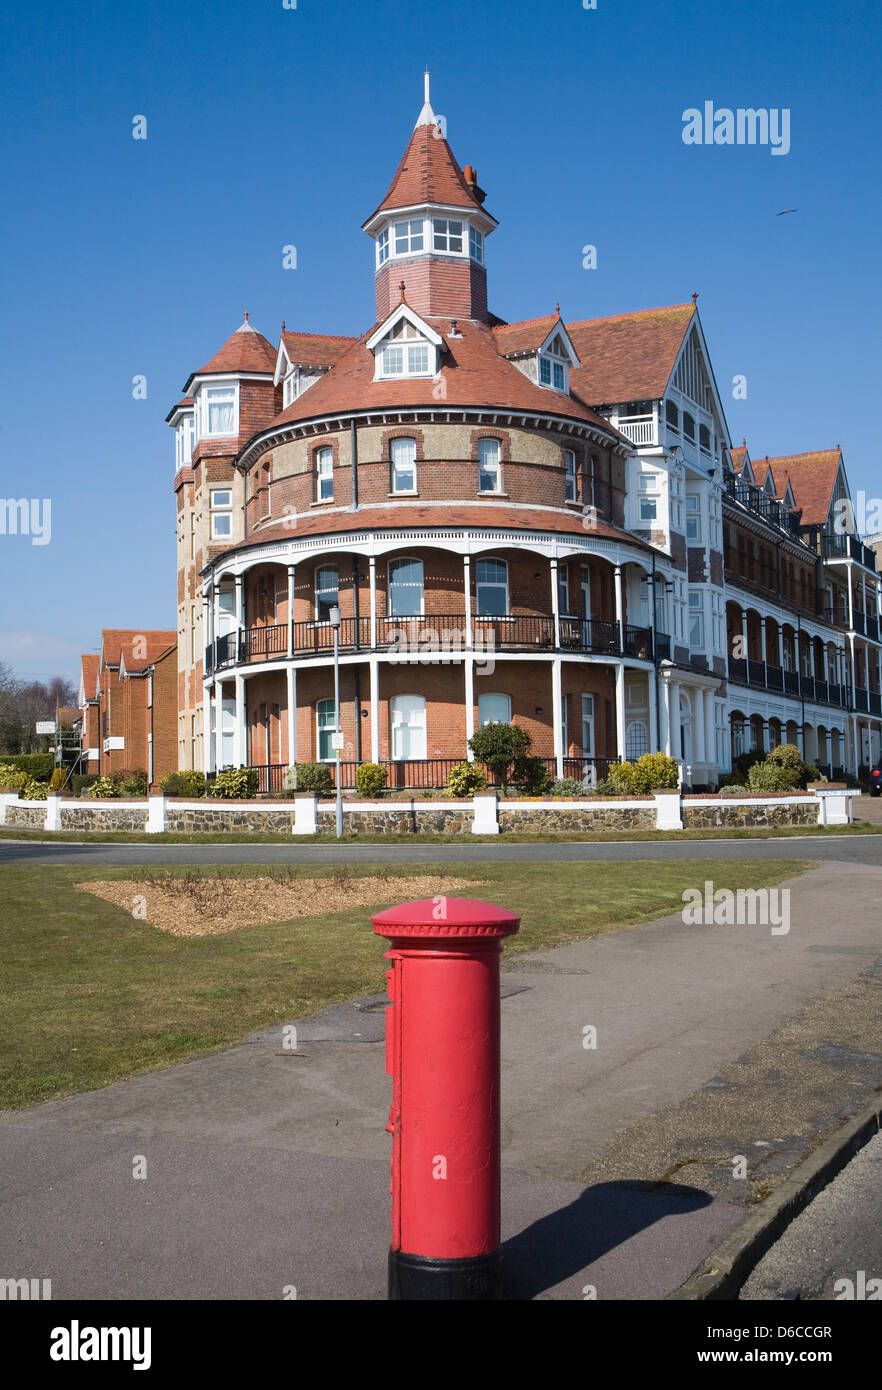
445, 917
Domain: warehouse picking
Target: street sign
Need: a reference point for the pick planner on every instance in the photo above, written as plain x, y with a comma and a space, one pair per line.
46, 726
338, 743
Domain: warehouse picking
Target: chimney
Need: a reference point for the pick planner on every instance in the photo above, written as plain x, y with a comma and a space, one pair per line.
471, 177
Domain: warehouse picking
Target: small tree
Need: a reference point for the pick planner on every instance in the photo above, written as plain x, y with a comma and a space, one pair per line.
499, 746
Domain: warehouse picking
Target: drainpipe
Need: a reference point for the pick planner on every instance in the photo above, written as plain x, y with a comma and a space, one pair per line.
354, 451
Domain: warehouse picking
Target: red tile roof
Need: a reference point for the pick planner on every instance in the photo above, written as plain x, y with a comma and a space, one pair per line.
147, 648
812, 478
738, 457
89, 663
246, 350
473, 374
495, 515
629, 357
428, 173
315, 349
115, 640
526, 336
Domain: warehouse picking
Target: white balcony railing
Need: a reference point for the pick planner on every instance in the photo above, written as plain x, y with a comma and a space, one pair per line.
638, 431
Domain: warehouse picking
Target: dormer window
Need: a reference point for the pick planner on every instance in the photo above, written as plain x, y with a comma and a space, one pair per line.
554, 366
476, 245
291, 387
405, 346
383, 248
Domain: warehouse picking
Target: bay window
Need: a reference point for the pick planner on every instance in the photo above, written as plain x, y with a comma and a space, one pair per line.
447, 235
219, 410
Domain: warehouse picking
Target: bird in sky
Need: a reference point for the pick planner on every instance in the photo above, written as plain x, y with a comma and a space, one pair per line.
784, 211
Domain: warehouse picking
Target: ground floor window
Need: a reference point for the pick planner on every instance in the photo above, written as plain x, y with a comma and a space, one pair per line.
587, 726
407, 714
326, 727
636, 740
494, 709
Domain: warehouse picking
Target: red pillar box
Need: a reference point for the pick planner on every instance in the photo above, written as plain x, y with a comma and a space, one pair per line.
442, 1052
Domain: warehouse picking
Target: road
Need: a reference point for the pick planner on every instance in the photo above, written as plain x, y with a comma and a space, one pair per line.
854, 849
838, 1236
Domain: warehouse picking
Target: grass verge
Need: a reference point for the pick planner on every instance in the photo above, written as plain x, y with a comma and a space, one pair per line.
90, 994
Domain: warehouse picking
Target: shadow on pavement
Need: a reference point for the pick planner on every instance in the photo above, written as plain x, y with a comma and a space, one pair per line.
566, 1241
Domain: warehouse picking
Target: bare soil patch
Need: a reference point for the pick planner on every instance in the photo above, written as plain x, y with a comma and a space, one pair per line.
203, 905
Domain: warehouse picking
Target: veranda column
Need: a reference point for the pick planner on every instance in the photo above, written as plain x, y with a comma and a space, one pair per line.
666, 717
620, 606
292, 573
240, 611
763, 640
699, 741
710, 728
291, 682
375, 689
217, 705
372, 567
207, 750
468, 663
781, 646
239, 741
557, 711
207, 636
744, 632
652, 687
620, 710
555, 608
467, 598
676, 731
855, 744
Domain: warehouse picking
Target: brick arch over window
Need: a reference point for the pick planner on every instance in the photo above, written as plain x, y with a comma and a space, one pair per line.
502, 437
402, 432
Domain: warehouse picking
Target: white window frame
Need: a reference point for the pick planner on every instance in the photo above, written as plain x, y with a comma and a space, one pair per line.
320, 589
205, 393
496, 467
446, 236
647, 496
420, 729
481, 584
396, 563
383, 248
484, 700
291, 387
414, 228
571, 476
407, 348
588, 725
563, 590
324, 473
323, 727
693, 518
696, 620
221, 511
396, 446
476, 245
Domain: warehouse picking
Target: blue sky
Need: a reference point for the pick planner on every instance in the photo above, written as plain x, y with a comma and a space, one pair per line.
268, 126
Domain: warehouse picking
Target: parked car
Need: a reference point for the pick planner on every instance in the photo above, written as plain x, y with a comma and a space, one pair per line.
876, 779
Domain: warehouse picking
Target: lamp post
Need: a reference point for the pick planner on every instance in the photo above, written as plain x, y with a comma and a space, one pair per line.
334, 619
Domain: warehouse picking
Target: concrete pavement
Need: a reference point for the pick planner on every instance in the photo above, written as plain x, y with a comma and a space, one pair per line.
267, 1169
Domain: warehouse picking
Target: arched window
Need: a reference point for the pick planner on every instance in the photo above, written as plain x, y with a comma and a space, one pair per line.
491, 588
402, 453
636, 740
407, 716
494, 709
689, 425
325, 729
405, 588
672, 416
570, 476
324, 475
327, 591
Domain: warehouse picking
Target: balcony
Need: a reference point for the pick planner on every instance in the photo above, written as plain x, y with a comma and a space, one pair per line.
436, 635
761, 676
640, 429
767, 508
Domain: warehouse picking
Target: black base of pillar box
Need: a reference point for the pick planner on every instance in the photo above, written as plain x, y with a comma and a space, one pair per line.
475, 1279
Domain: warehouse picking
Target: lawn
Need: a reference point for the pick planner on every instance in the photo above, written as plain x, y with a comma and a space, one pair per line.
90, 994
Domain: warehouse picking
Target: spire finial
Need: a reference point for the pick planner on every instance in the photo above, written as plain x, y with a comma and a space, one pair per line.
426, 79
695, 296
246, 315
427, 115
402, 287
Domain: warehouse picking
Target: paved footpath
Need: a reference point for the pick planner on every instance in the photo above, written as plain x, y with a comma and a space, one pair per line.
266, 1169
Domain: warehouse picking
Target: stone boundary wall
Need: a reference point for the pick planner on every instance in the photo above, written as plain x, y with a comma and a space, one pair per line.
485, 814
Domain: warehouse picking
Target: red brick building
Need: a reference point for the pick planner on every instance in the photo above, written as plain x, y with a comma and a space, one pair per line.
128, 703
539, 521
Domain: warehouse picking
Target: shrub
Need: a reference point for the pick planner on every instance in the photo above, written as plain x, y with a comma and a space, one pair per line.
189, 782
310, 777
531, 775
38, 766
772, 777
742, 764
733, 789
236, 784
103, 788
80, 782
785, 755
11, 776
604, 788
569, 787
465, 779
130, 781
499, 746
654, 771
370, 779
57, 780
35, 791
